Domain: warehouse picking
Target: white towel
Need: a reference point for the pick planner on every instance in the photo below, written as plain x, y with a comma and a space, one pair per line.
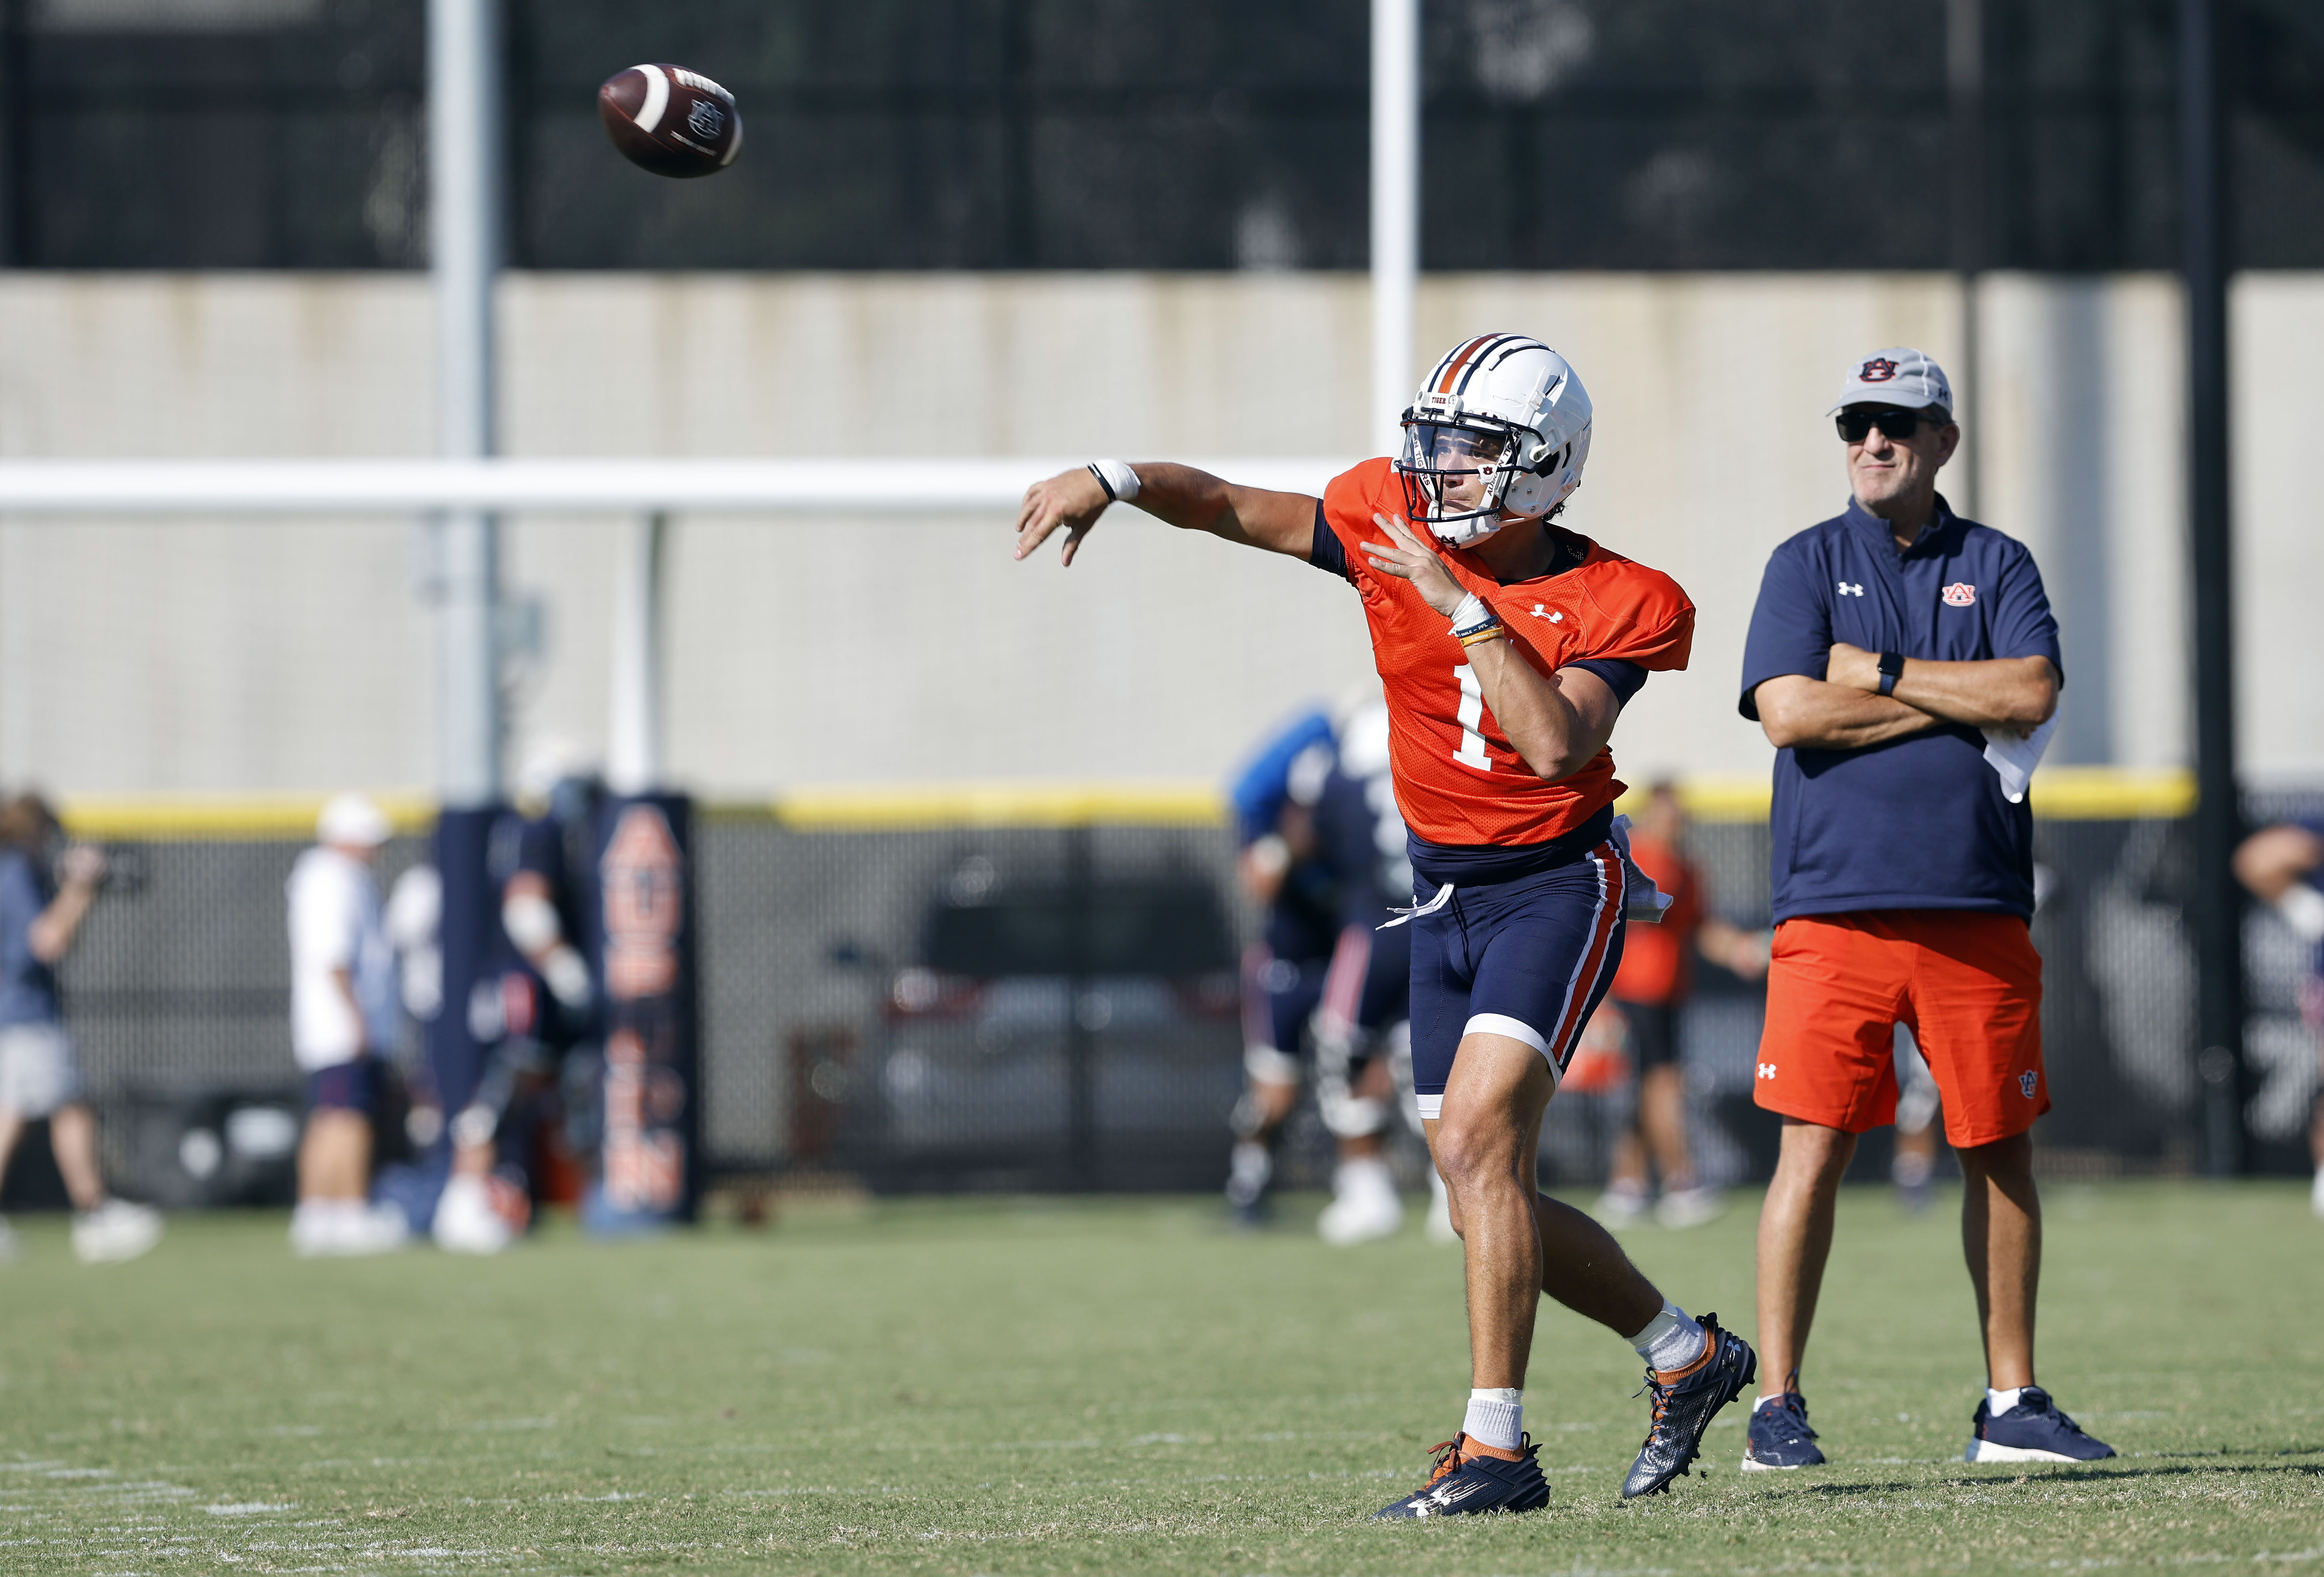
2014, 756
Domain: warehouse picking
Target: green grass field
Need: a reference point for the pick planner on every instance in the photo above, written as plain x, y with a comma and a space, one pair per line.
1109, 1386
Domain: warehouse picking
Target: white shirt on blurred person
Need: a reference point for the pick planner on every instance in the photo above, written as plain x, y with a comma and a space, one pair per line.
342, 964
343, 1016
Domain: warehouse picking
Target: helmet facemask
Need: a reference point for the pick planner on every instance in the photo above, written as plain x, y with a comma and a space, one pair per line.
1457, 474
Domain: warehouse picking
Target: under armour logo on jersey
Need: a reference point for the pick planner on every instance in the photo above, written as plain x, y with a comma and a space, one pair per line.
1878, 370
1960, 594
1541, 610
1767, 1070
1847, 590
2026, 1081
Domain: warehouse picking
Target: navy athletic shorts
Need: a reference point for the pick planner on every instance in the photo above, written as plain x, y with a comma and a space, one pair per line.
1366, 982
346, 1086
1529, 957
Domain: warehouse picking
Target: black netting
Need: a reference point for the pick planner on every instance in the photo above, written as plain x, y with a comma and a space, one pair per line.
1054, 1008
1200, 135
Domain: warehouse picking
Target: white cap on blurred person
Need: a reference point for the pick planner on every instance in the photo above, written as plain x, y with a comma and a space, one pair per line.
351, 821
547, 763
1900, 376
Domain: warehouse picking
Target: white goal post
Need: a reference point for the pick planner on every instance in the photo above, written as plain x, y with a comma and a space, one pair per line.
645, 491
568, 487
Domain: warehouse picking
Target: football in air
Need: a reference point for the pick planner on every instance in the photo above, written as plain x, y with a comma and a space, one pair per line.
670, 121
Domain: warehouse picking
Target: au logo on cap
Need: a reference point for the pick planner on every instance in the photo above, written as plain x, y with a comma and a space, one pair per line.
1878, 370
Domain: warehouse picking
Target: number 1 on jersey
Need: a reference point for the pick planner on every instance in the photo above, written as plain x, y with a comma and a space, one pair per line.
1471, 752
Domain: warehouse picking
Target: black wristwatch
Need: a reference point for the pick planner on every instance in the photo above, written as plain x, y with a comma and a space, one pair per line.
1892, 669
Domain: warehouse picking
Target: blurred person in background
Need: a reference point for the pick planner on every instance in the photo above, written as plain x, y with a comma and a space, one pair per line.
1281, 972
1913, 1167
1649, 992
538, 1004
2284, 867
46, 890
343, 1025
1324, 851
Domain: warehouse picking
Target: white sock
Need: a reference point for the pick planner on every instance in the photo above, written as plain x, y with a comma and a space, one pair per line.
1671, 1339
1763, 1401
1996, 1403
1496, 1418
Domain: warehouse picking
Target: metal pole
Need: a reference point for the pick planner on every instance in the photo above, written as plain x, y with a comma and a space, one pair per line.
634, 763
2217, 912
1081, 1003
1965, 83
1396, 219
464, 124
18, 248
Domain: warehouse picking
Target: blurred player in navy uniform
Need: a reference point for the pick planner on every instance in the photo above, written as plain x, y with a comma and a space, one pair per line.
538, 1005
1323, 848
2284, 867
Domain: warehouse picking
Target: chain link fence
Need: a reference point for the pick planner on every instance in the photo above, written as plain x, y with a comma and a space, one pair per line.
1204, 134
1053, 1007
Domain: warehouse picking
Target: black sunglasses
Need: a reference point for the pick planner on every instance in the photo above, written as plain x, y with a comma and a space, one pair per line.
1856, 423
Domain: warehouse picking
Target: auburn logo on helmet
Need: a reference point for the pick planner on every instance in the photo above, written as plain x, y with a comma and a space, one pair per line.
1878, 370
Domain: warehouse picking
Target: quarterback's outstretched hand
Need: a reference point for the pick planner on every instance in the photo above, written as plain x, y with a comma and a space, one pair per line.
1413, 560
1072, 499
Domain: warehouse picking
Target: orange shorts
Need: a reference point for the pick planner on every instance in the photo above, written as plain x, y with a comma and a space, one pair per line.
1968, 985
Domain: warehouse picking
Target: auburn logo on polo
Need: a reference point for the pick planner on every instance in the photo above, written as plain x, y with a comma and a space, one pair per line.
1960, 594
1878, 370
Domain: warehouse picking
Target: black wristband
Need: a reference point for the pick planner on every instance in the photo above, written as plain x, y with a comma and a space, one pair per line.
1111, 496
1892, 669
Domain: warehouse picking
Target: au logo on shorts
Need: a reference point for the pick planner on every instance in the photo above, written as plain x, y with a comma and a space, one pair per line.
1960, 594
2026, 1081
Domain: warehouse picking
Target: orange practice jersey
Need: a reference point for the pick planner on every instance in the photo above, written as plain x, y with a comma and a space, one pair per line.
1457, 780
1657, 960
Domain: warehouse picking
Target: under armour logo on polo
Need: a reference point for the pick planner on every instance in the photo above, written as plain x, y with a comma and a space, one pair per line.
2026, 1081
1878, 370
1847, 590
1767, 1070
1960, 594
1541, 610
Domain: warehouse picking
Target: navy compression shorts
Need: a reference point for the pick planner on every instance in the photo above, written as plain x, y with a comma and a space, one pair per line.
1529, 958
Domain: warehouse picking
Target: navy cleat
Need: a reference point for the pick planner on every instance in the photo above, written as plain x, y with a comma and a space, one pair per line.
1464, 1485
1685, 1400
2034, 1431
1779, 1436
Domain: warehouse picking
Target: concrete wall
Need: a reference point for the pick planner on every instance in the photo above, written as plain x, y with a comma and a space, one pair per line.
233, 656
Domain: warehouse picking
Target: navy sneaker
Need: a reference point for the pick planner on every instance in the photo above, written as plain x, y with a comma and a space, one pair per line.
2034, 1431
1779, 1436
1685, 1402
1466, 1486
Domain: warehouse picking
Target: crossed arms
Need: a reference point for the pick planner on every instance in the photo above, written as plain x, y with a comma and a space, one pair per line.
1845, 711
1557, 723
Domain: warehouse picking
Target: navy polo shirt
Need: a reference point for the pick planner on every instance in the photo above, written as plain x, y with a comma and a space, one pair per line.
1919, 821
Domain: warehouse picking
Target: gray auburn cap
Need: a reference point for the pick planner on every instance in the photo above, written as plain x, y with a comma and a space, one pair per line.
1899, 377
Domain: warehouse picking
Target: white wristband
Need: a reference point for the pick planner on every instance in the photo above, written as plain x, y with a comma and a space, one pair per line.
1119, 482
1472, 611
2303, 908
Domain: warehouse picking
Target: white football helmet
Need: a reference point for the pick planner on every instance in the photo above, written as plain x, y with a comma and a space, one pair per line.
1506, 410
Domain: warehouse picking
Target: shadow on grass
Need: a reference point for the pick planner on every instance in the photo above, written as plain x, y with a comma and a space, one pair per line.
2048, 1473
